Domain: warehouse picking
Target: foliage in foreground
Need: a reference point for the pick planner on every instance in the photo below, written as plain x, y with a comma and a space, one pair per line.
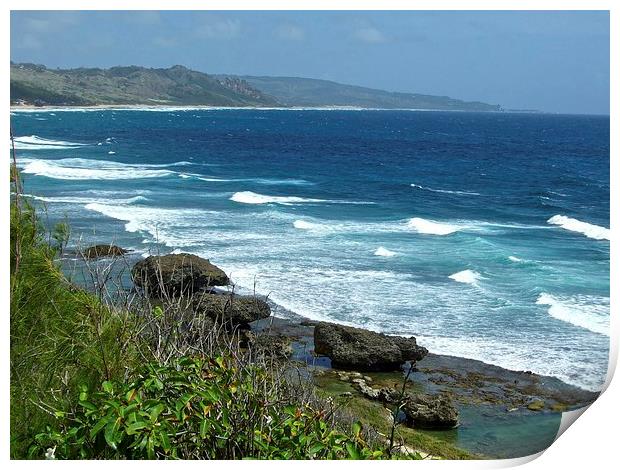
61, 336
197, 409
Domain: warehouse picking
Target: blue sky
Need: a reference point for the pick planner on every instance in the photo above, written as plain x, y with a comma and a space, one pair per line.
551, 61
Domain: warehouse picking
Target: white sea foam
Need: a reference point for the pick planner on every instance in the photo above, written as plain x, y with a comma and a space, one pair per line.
305, 225
249, 197
33, 142
431, 227
514, 259
85, 169
466, 277
574, 225
589, 312
173, 227
381, 251
446, 191
86, 200
111, 152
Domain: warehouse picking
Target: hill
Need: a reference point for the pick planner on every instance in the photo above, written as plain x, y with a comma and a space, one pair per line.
180, 86
312, 92
176, 85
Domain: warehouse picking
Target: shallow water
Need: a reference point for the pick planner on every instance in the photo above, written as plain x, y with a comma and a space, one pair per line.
485, 235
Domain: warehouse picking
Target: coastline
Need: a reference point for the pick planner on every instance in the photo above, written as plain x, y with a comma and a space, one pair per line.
172, 107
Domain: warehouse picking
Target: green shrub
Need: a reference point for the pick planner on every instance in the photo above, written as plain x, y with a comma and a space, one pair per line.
197, 409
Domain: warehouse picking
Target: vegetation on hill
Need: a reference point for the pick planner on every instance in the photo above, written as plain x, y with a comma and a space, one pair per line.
36, 84
179, 86
294, 91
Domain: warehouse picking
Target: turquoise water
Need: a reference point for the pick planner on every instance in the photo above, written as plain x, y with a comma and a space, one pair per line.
484, 235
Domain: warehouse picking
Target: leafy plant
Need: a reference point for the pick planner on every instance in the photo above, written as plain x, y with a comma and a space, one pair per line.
199, 409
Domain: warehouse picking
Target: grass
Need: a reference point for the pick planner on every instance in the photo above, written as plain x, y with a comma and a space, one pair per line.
61, 336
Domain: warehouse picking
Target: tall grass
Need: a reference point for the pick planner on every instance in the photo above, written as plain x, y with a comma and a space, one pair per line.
61, 336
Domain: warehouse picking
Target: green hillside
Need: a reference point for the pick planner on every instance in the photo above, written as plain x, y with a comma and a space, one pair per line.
129, 85
311, 92
180, 86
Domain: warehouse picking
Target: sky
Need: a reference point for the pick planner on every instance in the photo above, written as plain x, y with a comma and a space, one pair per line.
554, 61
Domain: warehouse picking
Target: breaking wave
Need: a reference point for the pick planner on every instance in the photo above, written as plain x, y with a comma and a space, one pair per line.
431, 227
466, 277
249, 197
589, 312
589, 230
34, 142
85, 169
381, 251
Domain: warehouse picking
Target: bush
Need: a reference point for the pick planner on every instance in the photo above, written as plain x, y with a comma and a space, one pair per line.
197, 408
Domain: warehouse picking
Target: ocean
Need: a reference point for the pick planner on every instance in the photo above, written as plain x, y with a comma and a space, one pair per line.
485, 235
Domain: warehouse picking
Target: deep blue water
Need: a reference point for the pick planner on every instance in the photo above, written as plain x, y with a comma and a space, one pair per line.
485, 235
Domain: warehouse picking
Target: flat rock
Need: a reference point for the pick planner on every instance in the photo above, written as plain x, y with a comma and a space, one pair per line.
363, 350
101, 251
231, 310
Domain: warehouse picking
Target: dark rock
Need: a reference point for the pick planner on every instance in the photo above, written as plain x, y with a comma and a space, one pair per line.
388, 395
230, 309
359, 349
273, 345
177, 274
99, 251
430, 411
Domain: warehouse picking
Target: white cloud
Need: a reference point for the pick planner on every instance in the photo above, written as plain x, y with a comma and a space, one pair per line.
369, 34
290, 32
219, 29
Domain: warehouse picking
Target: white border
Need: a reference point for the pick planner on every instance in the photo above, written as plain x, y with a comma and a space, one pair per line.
592, 442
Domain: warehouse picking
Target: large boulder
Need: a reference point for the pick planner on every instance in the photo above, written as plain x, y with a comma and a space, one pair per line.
430, 411
359, 349
99, 251
177, 274
230, 309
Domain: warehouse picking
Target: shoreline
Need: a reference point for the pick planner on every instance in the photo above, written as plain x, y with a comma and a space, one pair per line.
299, 328
173, 107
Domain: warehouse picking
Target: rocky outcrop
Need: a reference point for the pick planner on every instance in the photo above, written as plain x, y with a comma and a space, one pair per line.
430, 411
359, 349
176, 274
271, 345
230, 309
100, 251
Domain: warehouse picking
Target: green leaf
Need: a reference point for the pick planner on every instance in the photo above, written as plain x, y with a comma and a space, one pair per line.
150, 447
165, 441
107, 386
204, 426
316, 448
133, 428
156, 411
352, 450
110, 434
99, 426
357, 428
88, 405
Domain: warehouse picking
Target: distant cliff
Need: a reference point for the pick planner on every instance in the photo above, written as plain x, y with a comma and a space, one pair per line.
180, 86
